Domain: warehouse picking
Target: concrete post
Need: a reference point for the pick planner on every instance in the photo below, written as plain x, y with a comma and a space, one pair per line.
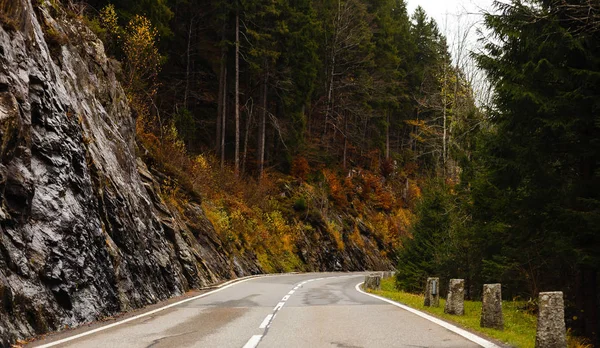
373, 281
551, 331
455, 303
491, 310
432, 293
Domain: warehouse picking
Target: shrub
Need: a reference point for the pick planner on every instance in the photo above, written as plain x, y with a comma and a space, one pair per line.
300, 204
55, 38
336, 191
300, 168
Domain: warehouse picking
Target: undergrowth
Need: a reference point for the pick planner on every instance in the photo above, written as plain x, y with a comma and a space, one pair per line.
270, 216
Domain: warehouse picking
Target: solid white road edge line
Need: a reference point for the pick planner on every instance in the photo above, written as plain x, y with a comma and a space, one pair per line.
466, 334
266, 321
83, 334
253, 341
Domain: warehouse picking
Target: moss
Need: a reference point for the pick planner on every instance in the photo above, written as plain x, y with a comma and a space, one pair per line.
8, 23
300, 204
54, 38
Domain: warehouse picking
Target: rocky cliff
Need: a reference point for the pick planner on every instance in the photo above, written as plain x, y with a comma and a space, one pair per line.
84, 232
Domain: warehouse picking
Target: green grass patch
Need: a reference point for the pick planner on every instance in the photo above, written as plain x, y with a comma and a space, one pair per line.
519, 325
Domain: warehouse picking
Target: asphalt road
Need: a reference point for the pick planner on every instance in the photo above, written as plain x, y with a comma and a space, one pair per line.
306, 310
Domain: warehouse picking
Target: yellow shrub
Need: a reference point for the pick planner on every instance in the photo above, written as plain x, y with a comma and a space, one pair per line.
334, 231
336, 190
356, 238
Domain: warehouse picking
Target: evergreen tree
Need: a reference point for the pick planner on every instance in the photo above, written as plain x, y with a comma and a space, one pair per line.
537, 203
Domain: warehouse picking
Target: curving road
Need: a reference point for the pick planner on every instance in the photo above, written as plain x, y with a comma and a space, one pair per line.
304, 310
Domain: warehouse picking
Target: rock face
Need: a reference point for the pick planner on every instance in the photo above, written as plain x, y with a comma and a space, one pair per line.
551, 331
432, 292
455, 303
84, 232
491, 310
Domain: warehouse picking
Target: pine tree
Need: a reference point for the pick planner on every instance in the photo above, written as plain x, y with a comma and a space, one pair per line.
538, 200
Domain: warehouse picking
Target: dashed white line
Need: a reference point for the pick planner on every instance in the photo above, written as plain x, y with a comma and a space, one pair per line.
253, 341
279, 306
266, 322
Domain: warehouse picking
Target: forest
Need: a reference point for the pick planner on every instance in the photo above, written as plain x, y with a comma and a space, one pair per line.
358, 106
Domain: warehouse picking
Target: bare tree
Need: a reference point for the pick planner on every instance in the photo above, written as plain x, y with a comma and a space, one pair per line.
237, 92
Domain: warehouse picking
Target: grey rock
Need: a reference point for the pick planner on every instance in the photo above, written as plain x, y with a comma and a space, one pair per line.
491, 310
84, 233
455, 302
373, 281
551, 330
432, 292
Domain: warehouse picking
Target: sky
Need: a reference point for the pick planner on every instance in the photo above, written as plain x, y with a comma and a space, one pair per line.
454, 19
439, 8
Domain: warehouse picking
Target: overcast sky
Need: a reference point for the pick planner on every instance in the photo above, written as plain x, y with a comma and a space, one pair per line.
438, 8
454, 18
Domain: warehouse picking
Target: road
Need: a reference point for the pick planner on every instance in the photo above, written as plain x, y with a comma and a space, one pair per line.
304, 310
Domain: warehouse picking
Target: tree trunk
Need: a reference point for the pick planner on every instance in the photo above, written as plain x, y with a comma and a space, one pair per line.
237, 93
262, 125
387, 136
224, 118
587, 302
444, 103
330, 96
187, 68
345, 139
222, 90
246, 135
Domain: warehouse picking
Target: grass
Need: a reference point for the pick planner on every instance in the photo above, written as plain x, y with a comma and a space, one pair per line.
519, 325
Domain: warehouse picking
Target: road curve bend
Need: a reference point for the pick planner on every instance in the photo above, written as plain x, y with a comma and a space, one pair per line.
299, 310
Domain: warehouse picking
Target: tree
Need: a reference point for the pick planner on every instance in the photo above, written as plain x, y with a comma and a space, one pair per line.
157, 12
392, 55
541, 177
262, 22
237, 92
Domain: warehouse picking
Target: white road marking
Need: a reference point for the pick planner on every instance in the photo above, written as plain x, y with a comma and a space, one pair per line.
471, 337
87, 333
279, 306
266, 322
253, 341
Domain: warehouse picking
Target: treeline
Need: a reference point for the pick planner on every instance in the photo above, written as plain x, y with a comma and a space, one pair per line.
351, 82
526, 211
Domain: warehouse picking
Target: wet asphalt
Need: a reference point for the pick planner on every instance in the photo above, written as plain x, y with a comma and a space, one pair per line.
302, 310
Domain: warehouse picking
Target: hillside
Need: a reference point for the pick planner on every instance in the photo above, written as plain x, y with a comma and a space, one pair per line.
89, 229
